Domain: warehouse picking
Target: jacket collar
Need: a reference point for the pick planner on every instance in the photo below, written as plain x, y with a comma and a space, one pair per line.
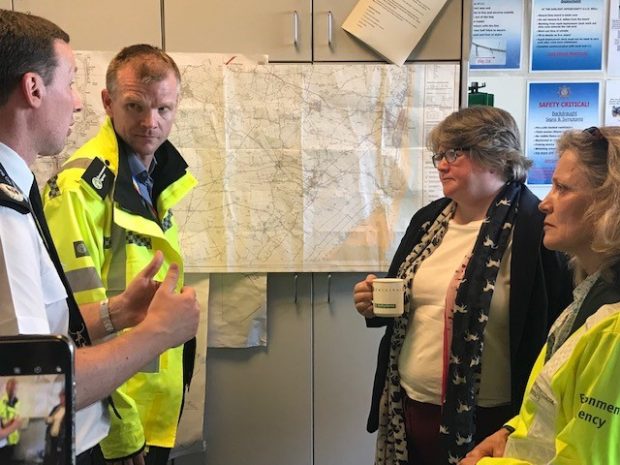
170, 166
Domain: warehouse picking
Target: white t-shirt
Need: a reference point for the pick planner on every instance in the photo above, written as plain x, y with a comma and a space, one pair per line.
35, 291
421, 358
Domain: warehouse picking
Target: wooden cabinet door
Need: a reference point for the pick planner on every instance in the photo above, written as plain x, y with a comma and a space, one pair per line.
278, 28
99, 25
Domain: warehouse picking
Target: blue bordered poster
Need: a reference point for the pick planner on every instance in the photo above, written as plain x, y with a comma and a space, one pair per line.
496, 34
554, 107
567, 35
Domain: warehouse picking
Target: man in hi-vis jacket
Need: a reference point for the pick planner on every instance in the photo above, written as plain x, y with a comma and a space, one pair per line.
109, 210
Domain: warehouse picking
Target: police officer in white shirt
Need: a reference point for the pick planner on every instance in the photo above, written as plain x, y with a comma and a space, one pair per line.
37, 104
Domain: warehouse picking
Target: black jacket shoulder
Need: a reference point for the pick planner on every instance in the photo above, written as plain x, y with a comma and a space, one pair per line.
11, 197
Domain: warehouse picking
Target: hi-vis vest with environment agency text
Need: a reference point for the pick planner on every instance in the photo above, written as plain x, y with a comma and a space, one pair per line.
571, 410
105, 235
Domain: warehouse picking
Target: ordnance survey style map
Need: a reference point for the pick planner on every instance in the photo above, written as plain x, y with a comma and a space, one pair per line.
300, 167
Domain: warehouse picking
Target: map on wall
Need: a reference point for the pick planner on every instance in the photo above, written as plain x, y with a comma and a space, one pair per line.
300, 167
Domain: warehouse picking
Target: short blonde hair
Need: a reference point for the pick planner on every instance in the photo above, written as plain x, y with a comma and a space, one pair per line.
151, 63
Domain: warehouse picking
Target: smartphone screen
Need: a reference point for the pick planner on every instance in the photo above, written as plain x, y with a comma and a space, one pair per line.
36, 400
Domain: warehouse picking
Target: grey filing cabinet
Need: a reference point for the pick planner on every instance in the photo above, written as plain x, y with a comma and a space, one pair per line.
303, 399
292, 30
345, 355
280, 28
286, 30
99, 25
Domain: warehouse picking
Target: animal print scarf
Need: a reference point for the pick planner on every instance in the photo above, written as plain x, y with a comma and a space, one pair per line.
473, 299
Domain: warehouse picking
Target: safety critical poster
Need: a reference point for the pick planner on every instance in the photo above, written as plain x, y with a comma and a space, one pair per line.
554, 107
567, 35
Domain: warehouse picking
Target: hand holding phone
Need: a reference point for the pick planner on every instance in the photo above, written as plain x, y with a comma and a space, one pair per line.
36, 400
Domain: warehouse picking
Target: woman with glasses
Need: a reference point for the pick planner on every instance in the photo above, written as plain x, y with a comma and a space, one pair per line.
476, 276
571, 410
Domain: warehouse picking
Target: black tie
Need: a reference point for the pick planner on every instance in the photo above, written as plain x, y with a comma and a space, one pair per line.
77, 328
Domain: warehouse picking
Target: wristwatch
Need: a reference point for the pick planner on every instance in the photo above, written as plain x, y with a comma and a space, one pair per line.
104, 314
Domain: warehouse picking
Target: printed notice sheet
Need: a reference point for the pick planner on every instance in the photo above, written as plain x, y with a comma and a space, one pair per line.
612, 102
567, 35
496, 34
613, 50
554, 107
392, 27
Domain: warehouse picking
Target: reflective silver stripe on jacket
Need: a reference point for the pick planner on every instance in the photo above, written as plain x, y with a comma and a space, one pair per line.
84, 279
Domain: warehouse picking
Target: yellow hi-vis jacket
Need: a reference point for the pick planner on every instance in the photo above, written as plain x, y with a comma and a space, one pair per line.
8, 411
571, 409
105, 235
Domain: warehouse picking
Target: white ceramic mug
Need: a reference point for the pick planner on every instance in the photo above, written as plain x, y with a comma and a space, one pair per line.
388, 296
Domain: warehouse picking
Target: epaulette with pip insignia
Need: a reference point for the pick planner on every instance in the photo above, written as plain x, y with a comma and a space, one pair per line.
99, 177
12, 197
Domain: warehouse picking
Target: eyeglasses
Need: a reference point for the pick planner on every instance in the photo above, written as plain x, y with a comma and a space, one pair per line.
449, 155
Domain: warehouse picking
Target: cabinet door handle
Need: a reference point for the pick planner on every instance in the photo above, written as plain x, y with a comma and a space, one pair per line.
330, 30
295, 276
296, 29
329, 288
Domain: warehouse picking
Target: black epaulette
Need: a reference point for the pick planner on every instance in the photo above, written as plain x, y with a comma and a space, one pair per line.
99, 177
12, 198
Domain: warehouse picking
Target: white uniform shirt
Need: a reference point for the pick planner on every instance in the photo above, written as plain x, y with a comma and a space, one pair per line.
34, 290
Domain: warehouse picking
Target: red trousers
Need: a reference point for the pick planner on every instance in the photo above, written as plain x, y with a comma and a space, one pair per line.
422, 427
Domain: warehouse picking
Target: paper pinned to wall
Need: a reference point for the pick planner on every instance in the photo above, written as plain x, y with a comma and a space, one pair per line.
238, 310
392, 27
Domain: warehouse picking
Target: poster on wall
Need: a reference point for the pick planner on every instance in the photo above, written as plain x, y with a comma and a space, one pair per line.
612, 102
613, 49
496, 34
552, 108
567, 35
